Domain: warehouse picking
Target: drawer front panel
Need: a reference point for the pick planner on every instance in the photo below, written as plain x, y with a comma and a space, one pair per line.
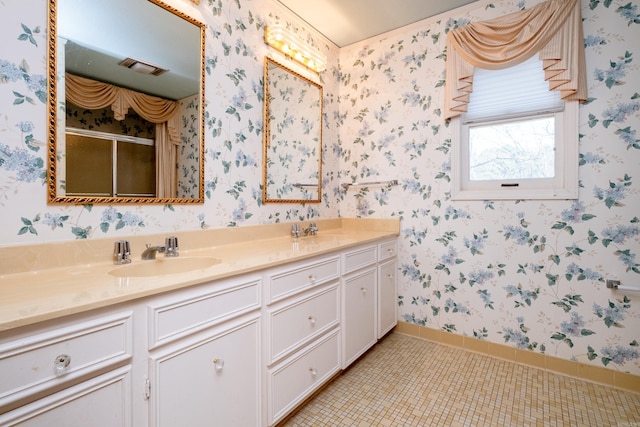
172, 320
44, 360
359, 258
296, 323
297, 379
387, 250
296, 280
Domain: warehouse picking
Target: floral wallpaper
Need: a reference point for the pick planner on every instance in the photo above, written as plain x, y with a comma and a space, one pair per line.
189, 151
528, 274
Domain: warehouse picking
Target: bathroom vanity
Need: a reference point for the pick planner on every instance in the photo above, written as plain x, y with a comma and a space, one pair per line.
241, 338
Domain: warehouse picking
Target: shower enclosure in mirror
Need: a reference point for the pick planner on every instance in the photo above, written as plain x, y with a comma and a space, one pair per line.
126, 101
292, 161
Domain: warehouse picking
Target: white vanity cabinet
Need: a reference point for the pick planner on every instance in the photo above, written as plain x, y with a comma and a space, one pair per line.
359, 303
73, 372
302, 331
387, 287
204, 358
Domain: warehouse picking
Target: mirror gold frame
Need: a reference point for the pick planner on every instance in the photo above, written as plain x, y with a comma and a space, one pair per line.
309, 142
54, 145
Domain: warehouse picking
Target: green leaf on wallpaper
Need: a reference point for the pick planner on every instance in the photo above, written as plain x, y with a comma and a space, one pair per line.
591, 354
586, 332
592, 237
81, 233
104, 227
552, 279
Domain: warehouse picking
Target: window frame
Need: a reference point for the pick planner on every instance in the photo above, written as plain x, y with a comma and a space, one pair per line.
563, 186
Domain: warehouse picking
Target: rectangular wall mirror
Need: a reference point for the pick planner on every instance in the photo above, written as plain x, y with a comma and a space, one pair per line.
126, 103
292, 161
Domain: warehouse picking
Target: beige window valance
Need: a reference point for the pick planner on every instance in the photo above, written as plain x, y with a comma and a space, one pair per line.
92, 94
552, 29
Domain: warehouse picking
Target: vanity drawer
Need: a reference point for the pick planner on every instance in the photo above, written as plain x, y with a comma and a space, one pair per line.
387, 249
35, 363
295, 380
359, 258
302, 277
298, 322
176, 316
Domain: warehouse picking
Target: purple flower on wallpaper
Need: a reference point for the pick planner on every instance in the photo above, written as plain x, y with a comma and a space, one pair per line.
591, 158
516, 337
630, 12
616, 192
519, 234
620, 113
619, 355
619, 234
451, 257
590, 41
10, 72
480, 277
574, 327
28, 167
574, 214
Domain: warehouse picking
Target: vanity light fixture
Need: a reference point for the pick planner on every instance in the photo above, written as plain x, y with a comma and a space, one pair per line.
294, 47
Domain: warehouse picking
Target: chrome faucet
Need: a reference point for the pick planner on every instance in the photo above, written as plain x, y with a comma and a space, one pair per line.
169, 249
121, 252
295, 230
150, 252
311, 230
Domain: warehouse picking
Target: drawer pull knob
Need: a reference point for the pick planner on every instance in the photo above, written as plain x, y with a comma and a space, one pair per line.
313, 371
364, 290
61, 364
390, 276
218, 363
312, 320
390, 250
312, 278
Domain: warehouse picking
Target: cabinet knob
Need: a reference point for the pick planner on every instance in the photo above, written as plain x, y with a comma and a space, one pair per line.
61, 364
313, 371
218, 363
364, 290
312, 278
390, 276
312, 320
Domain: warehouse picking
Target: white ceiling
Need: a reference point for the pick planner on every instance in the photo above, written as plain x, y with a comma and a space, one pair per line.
345, 22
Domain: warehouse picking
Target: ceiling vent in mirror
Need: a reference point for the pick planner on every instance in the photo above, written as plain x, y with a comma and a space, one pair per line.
142, 67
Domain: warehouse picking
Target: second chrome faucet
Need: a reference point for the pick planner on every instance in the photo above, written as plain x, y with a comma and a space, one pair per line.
169, 249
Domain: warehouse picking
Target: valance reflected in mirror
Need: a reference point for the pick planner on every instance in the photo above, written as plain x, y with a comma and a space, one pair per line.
292, 170
126, 81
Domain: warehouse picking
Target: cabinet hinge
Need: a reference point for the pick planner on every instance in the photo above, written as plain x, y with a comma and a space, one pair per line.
147, 389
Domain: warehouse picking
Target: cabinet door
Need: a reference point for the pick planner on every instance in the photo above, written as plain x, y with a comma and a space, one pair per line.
359, 314
210, 382
387, 295
104, 401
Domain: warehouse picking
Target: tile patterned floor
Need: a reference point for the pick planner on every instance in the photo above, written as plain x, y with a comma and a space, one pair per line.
407, 381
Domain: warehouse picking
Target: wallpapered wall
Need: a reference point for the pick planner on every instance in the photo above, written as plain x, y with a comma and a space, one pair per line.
527, 274
235, 51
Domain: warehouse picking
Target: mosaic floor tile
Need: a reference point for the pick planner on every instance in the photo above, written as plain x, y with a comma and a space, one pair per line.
408, 381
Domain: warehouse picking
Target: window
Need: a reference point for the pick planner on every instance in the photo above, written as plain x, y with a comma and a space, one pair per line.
516, 141
108, 165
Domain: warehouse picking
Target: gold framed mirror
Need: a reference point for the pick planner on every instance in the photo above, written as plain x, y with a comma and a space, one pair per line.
292, 157
126, 103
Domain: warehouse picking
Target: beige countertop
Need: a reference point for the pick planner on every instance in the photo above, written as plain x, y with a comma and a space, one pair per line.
44, 282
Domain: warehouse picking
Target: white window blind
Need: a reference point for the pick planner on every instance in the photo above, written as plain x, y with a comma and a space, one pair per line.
511, 92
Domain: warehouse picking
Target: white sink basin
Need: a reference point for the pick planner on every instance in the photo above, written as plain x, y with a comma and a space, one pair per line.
163, 266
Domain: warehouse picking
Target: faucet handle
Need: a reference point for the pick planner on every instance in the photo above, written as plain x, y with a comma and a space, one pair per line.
295, 230
121, 252
171, 245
